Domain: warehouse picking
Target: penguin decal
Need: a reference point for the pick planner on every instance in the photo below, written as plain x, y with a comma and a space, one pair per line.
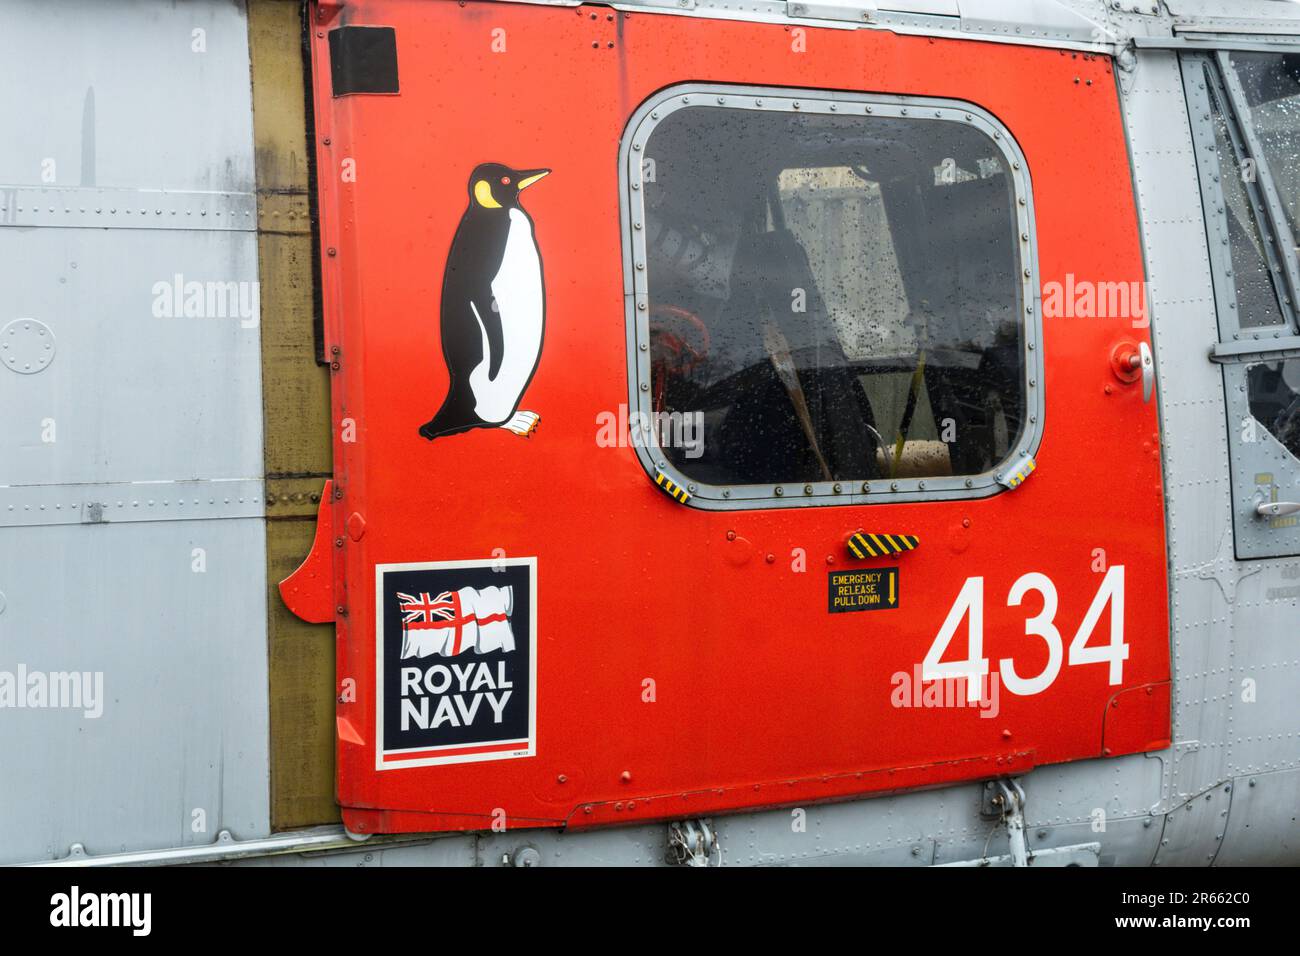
493, 308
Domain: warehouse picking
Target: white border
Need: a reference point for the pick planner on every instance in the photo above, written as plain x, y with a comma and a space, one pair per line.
530, 748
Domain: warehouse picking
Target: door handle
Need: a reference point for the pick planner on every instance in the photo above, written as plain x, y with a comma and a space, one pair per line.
1277, 509
1130, 362
1142, 361
1148, 367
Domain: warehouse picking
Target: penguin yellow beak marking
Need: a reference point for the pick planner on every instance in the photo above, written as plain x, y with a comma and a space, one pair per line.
483, 195
528, 180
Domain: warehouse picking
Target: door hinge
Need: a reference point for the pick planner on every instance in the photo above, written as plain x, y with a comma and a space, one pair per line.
692, 843
1005, 800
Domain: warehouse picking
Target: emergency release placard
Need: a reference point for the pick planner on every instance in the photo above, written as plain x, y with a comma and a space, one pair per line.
867, 589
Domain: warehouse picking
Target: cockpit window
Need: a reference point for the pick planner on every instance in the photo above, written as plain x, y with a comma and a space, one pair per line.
1257, 301
832, 298
1270, 83
1274, 396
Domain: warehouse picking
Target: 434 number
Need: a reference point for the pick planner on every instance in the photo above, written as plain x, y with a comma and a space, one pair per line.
969, 606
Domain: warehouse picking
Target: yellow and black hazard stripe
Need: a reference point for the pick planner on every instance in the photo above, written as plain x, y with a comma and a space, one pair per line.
867, 544
1015, 478
675, 491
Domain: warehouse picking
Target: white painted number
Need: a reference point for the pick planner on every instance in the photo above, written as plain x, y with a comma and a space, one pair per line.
1116, 652
1040, 625
969, 605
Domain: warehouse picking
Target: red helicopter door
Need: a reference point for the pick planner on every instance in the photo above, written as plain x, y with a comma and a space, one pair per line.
728, 414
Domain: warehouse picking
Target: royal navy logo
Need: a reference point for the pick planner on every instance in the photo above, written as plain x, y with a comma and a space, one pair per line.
455, 662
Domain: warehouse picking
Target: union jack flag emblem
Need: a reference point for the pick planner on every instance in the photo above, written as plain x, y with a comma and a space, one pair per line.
453, 622
426, 610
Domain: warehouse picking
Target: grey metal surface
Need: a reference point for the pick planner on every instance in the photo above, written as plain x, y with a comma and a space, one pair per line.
1066, 807
1234, 16
119, 208
1261, 829
224, 849
1100, 26
1181, 300
131, 94
1235, 623
126, 181
1097, 26
178, 751
132, 395
96, 503
1071, 23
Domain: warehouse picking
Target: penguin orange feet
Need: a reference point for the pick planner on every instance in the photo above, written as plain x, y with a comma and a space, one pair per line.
523, 424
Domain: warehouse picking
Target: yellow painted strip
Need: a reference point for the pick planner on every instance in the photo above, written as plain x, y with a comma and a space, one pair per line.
675, 491
854, 548
892, 578
884, 548
296, 414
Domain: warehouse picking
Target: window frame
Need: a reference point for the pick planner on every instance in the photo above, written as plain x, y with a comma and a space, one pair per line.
1235, 338
632, 148
1240, 346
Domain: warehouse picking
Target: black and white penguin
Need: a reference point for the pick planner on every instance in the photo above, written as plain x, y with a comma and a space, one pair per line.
493, 308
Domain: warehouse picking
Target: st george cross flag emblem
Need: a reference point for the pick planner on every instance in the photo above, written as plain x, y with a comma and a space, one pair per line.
453, 622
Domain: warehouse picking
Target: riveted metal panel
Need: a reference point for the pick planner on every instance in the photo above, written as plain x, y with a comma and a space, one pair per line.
1104, 802
132, 542
1239, 16
1261, 828
1262, 676
102, 208
182, 665
126, 95
152, 381
1078, 24
1194, 829
1190, 393
127, 501
447, 851
1235, 672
